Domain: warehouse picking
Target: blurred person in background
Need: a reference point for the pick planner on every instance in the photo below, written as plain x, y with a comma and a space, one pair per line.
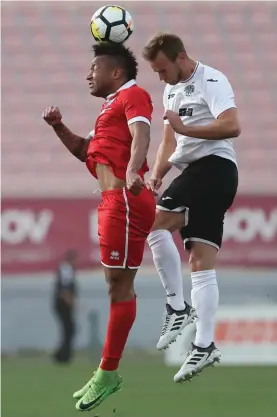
64, 305
199, 121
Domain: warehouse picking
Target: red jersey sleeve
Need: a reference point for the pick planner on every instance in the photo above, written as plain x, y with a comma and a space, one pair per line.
138, 106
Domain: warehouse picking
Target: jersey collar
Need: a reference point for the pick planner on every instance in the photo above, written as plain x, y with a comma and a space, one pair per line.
123, 87
193, 74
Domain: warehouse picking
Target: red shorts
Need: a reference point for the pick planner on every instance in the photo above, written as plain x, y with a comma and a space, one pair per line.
124, 222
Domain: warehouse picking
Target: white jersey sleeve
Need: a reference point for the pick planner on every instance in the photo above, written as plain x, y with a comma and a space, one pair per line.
90, 135
165, 103
218, 94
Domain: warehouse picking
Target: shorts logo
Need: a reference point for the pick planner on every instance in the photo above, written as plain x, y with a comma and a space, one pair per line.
114, 255
166, 198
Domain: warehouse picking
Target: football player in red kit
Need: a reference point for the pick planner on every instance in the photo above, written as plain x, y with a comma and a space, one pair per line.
115, 153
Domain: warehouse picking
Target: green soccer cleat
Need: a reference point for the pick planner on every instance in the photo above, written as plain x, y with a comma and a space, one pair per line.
101, 385
79, 394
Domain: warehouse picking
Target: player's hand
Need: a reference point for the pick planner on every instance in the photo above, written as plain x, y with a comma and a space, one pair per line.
52, 115
154, 184
134, 182
175, 121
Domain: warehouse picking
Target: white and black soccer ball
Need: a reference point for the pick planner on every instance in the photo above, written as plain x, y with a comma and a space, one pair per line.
111, 24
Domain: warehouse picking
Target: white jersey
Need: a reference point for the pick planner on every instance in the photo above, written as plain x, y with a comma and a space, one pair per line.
199, 101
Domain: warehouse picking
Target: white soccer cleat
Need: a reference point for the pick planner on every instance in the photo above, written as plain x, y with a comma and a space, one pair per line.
196, 361
174, 323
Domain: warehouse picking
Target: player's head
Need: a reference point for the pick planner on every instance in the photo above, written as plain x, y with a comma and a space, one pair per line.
113, 65
167, 56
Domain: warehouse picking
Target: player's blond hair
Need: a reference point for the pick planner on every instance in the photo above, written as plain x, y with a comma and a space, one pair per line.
171, 45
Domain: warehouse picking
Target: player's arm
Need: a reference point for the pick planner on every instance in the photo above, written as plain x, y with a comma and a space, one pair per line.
140, 132
77, 145
224, 127
219, 96
138, 111
165, 150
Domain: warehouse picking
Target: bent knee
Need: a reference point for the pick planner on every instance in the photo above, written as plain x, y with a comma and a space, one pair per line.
197, 264
202, 257
120, 284
168, 220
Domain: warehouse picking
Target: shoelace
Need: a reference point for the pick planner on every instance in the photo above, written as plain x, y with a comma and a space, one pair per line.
165, 325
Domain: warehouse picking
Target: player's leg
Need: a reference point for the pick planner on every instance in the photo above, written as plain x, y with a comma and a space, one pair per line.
205, 297
122, 315
106, 380
204, 293
123, 228
202, 237
140, 215
171, 215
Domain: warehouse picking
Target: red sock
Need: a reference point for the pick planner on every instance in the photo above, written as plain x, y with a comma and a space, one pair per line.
121, 320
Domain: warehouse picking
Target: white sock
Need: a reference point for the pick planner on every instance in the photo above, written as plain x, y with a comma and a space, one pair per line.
168, 264
204, 297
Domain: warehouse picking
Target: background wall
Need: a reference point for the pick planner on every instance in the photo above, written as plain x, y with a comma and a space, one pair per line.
46, 57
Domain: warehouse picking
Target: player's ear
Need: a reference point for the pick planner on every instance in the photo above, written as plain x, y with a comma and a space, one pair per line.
181, 56
117, 73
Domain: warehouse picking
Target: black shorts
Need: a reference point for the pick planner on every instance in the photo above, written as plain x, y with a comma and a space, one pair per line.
204, 192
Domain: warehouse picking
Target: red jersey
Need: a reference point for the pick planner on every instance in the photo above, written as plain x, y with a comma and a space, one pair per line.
112, 140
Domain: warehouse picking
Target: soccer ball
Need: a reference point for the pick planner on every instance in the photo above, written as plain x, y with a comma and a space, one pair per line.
111, 24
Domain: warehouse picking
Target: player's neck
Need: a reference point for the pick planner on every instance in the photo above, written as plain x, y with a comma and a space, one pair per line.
116, 87
188, 69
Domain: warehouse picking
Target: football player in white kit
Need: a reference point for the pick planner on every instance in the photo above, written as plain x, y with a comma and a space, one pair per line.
199, 121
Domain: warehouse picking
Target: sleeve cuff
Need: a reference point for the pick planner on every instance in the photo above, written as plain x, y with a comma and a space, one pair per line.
224, 108
90, 135
139, 119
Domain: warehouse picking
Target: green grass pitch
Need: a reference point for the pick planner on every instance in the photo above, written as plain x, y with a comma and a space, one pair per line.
35, 387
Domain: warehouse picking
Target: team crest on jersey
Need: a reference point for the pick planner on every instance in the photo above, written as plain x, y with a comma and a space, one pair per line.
189, 90
106, 105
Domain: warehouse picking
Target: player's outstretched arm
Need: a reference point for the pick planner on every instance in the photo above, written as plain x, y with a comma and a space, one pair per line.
77, 145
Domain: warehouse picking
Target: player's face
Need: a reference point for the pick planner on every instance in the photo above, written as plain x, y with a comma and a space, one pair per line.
101, 77
168, 71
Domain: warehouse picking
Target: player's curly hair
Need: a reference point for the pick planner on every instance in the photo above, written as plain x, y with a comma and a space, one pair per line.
122, 56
